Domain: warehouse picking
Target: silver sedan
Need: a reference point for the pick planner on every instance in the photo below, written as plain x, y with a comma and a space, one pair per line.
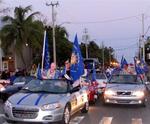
46, 101
125, 89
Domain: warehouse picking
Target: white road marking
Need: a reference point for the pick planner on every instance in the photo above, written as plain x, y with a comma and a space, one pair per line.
1, 115
136, 121
77, 120
5, 123
106, 120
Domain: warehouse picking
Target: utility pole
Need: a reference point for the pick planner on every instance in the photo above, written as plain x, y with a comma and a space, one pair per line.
86, 38
143, 42
103, 55
53, 26
110, 56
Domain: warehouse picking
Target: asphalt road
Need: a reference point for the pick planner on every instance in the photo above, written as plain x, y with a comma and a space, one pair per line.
110, 114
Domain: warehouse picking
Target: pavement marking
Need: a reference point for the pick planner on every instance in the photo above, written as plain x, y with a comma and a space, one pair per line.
136, 121
106, 120
1, 115
76, 120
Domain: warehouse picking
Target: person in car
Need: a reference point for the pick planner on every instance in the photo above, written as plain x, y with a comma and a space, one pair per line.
52, 73
66, 71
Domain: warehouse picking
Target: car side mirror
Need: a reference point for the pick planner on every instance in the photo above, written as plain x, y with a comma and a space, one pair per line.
75, 89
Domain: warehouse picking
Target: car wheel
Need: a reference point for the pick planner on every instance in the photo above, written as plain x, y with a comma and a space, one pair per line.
11, 122
85, 109
66, 115
143, 104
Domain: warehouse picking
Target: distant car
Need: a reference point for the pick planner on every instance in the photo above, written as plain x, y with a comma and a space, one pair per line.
125, 89
91, 63
101, 80
46, 101
16, 86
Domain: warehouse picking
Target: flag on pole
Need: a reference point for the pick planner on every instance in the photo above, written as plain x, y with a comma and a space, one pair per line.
138, 69
123, 62
77, 66
46, 54
39, 74
140, 66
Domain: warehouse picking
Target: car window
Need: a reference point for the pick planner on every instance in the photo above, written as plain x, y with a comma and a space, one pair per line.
125, 79
51, 86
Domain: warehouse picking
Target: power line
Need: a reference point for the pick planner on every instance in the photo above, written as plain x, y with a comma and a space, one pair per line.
128, 47
106, 21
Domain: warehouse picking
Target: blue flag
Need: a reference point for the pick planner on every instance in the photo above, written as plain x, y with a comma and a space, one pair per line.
39, 74
46, 59
144, 66
138, 69
123, 62
94, 74
77, 66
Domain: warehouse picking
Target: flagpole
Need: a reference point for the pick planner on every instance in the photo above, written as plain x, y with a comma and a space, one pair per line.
43, 50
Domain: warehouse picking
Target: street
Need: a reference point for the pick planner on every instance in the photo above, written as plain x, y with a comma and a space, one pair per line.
109, 114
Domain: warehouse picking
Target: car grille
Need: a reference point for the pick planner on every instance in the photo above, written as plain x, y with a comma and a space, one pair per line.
122, 93
23, 113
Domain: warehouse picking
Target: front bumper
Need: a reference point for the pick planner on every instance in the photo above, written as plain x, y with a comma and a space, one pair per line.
36, 116
124, 100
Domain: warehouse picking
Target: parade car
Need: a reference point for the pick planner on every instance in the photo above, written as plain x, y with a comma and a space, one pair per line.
91, 88
15, 87
101, 79
125, 89
46, 101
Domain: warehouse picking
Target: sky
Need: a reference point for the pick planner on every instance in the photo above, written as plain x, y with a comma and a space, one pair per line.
116, 23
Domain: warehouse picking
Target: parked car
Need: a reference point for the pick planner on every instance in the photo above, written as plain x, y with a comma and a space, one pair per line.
125, 89
16, 86
46, 101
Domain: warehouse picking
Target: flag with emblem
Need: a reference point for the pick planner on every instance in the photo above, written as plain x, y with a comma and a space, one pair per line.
77, 66
123, 62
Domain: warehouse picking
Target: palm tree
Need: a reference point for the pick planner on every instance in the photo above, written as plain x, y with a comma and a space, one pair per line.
20, 30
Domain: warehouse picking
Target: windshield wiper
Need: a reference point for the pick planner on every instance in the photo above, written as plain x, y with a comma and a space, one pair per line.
26, 90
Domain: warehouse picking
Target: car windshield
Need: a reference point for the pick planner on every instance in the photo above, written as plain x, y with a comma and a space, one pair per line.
22, 80
127, 79
48, 86
19, 80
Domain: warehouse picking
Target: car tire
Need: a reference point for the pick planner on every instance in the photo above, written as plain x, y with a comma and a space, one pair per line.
11, 122
66, 115
85, 109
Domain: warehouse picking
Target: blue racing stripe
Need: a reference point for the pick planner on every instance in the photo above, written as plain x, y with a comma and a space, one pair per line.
39, 98
23, 98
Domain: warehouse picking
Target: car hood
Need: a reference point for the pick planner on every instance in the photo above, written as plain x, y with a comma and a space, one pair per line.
125, 87
32, 99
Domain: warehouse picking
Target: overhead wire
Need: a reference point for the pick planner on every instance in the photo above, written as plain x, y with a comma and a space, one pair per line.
106, 21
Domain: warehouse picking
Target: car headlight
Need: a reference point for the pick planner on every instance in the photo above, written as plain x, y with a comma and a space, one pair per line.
138, 93
8, 104
2, 89
109, 93
51, 106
